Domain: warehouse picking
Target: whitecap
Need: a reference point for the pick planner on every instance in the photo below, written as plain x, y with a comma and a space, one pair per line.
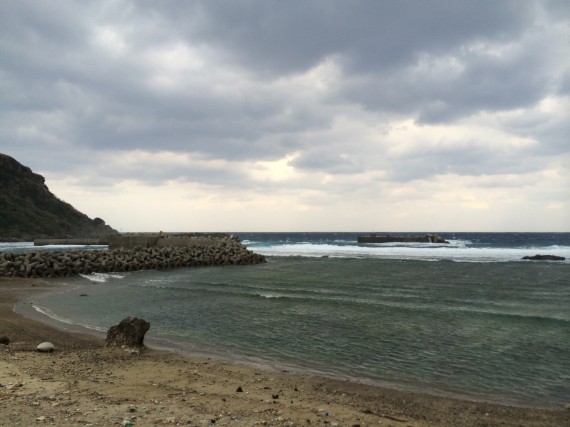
458, 250
101, 277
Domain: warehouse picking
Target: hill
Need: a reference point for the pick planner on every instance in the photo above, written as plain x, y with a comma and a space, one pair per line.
28, 210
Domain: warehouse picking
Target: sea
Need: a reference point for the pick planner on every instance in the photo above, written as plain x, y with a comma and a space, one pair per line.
467, 319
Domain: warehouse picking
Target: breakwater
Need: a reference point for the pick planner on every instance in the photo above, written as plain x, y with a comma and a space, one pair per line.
427, 238
216, 251
83, 242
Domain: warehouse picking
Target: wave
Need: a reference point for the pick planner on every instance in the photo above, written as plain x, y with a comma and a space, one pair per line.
246, 291
16, 246
459, 250
242, 289
47, 312
270, 295
413, 303
29, 246
102, 277
529, 317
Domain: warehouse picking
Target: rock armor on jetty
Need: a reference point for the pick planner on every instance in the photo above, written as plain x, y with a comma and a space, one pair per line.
210, 252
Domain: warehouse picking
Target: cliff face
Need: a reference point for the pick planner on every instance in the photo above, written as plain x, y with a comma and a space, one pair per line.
28, 210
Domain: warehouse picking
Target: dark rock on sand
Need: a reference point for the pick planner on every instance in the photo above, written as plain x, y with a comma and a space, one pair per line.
128, 334
4, 340
544, 258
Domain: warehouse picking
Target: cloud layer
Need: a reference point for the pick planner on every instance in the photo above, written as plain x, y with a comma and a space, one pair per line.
269, 115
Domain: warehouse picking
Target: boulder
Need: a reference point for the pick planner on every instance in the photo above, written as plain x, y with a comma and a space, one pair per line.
544, 258
4, 340
46, 347
128, 334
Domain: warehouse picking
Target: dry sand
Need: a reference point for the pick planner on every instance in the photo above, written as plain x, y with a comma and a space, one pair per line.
83, 383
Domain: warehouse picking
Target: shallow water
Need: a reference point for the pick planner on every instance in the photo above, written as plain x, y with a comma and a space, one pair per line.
484, 330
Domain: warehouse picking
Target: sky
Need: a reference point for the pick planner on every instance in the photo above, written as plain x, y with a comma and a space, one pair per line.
298, 115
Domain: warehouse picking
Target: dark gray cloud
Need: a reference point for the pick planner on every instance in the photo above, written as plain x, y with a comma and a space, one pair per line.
471, 157
84, 78
273, 37
464, 81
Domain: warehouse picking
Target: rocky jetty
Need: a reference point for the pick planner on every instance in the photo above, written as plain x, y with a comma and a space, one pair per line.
388, 238
219, 251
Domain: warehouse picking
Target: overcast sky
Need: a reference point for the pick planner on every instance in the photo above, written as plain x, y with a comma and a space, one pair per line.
294, 115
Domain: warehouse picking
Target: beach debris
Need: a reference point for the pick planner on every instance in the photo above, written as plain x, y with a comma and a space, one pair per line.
128, 334
45, 347
127, 423
390, 417
4, 340
239, 390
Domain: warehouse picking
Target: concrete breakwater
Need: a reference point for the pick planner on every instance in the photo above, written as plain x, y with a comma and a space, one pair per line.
426, 238
222, 251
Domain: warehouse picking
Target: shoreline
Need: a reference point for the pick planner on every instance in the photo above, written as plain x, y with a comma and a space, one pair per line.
253, 362
198, 389
26, 309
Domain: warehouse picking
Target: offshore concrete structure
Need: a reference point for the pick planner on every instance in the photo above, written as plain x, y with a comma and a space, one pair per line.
387, 238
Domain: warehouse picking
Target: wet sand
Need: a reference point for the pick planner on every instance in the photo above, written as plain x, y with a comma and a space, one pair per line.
83, 383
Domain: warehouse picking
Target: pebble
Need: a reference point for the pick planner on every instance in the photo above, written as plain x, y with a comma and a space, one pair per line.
46, 347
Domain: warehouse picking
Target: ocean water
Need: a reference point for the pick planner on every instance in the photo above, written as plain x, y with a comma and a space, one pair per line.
468, 319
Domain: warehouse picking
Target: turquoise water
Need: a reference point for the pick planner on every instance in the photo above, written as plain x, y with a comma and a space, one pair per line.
483, 330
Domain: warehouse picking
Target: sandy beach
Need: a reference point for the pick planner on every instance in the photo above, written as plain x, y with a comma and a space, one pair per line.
83, 383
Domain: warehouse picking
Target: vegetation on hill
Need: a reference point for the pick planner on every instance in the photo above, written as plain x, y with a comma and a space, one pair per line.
28, 210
